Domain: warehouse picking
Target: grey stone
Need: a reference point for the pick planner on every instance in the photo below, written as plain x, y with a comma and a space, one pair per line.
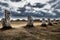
54, 21
49, 22
43, 23
6, 21
30, 21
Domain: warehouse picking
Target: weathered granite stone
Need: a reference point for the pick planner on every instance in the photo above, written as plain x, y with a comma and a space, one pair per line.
49, 22
6, 21
43, 23
54, 21
30, 22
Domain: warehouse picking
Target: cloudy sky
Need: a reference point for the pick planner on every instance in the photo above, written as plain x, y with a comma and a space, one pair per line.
35, 8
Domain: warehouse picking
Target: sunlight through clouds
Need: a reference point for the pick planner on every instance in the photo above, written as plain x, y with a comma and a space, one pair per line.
30, 6
22, 3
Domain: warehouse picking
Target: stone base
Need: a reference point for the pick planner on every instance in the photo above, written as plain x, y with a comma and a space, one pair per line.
58, 22
6, 28
50, 24
55, 23
43, 25
29, 26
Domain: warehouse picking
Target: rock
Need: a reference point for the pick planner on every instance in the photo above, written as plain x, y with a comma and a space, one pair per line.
30, 22
6, 21
43, 23
49, 22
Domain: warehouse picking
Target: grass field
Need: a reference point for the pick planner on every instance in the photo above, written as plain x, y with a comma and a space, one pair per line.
35, 33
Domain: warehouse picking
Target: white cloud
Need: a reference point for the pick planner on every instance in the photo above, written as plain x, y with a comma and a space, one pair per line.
58, 10
22, 3
17, 4
37, 1
27, 7
48, 6
13, 6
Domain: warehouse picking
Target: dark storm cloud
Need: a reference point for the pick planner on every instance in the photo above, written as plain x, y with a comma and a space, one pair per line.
4, 4
0, 9
57, 13
21, 9
15, 0
57, 5
38, 5
23, 14
52, 1
1, 15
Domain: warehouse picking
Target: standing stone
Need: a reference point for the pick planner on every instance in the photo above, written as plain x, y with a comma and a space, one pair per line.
30, 21
59, 21
3, 22
43, 23
6, 21
54, 21
49, 22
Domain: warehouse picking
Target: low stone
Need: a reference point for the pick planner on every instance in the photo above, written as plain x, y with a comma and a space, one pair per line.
43, 23
49, 22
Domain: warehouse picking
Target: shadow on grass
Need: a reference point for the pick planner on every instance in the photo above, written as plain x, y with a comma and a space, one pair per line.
29, 26
56, 30
6, 28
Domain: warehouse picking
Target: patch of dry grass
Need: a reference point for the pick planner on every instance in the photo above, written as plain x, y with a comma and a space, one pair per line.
35, 33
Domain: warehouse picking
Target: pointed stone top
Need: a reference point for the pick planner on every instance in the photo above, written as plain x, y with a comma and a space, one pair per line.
29, 17
6, 11
54, 19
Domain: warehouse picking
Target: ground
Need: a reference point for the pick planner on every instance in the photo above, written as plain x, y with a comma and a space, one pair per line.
35, 33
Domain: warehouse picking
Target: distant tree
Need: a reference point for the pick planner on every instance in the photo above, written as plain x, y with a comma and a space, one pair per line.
17, 20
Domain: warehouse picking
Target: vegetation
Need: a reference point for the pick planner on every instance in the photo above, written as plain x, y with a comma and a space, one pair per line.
35, 33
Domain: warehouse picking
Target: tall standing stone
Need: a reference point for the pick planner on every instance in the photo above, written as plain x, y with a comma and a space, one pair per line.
6, 21
30, 21
43, 23
49, 22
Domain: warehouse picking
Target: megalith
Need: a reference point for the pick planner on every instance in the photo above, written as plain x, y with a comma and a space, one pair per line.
49, 22
30, 22
6, 21
43, 23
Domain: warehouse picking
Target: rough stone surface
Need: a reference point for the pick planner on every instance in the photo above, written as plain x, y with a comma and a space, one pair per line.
30, 22
6, 21
43, 23
49, 22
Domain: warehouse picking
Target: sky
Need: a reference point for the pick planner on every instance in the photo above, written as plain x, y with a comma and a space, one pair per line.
36, 8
